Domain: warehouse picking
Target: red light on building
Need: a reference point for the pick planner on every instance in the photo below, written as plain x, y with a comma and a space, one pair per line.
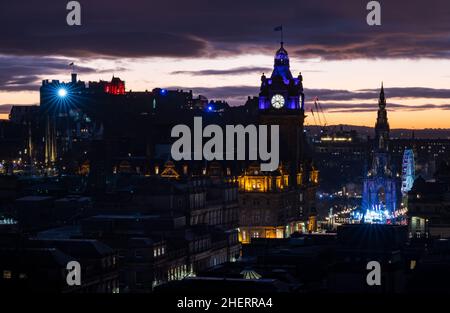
115, 87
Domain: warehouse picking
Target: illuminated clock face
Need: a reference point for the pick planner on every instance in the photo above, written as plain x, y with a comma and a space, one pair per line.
277, 101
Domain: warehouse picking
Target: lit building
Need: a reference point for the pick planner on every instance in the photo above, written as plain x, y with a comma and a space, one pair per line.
40, 265
380, 186
115, 87
276, 204
428, 154
429, 205
341, 156
62, 111
79, 122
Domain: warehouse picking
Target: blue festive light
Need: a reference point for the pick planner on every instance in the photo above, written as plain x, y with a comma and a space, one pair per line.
62, 92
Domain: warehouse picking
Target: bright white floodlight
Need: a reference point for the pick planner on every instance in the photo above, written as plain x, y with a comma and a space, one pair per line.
62, 92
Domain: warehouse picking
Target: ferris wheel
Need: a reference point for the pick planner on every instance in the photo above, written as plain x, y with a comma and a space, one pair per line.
408, 172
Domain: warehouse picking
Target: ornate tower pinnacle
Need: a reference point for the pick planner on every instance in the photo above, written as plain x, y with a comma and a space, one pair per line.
382, 99
281, 67
379, 189
382, 124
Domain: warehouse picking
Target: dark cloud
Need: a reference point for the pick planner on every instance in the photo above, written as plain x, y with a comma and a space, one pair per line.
234, 95
231, 71
368, 94
23, 73
234, 71
372, 107
329, 29
415, 92
237, 95
5, 108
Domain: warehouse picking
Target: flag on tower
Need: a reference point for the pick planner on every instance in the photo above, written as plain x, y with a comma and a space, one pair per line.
280, 29
71, 64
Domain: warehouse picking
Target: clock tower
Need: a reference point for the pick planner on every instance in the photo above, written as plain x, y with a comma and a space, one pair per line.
281, 102
276, 204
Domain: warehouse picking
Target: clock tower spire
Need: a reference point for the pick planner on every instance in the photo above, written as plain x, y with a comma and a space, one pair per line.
275, 204
282, 84
281, 102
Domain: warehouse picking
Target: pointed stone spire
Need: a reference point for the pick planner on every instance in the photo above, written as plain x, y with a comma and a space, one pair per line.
382, 125
382, 99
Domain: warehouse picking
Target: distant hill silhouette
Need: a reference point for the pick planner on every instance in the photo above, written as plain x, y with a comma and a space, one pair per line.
403, 133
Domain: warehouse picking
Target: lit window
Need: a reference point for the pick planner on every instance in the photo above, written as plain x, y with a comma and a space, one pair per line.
7, 274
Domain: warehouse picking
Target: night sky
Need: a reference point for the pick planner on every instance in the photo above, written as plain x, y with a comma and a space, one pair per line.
220, 49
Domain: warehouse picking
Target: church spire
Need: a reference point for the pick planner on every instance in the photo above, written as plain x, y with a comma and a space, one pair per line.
382, 124
382, 98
